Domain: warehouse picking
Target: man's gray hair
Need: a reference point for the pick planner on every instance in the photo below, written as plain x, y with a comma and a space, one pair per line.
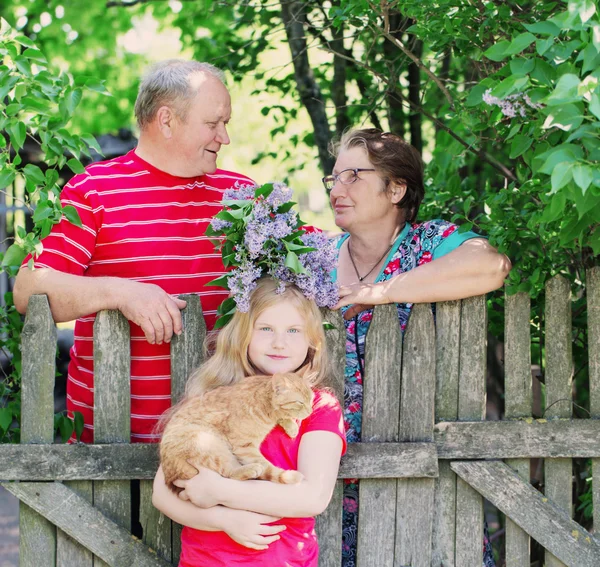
168, 83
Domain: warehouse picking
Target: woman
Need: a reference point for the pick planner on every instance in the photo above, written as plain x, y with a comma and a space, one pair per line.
384, 256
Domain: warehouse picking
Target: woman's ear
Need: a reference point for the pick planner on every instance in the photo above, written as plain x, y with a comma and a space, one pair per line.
398, 190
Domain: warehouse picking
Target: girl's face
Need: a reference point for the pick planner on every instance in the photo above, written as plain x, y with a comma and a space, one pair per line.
279, 341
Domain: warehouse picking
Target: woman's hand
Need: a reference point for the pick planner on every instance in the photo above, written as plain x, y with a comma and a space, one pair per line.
361, 296
251, 529
204, 489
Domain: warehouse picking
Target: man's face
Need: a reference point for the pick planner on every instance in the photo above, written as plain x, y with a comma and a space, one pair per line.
198, 138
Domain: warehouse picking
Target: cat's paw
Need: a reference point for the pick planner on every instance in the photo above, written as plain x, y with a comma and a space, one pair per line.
291, 477
248, 472
291, 428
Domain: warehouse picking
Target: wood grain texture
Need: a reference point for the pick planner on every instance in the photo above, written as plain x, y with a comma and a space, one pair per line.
415, 497
518, 397
157, 528
380, 422
187, 349
69, 551
593, 314
329, 530
446, 409
112, 413
471, 406
559, 378
111, 543
541, 518
38, 344
336, 350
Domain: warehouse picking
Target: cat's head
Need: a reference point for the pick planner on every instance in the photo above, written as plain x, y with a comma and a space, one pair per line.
292, 396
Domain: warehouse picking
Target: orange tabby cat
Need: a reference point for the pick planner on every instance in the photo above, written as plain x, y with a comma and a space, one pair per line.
223, 429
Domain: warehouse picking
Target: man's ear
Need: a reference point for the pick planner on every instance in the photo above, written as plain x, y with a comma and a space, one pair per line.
398, 190
165, 118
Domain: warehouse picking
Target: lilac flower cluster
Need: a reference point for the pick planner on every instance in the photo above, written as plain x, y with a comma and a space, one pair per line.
512, 104
261, 240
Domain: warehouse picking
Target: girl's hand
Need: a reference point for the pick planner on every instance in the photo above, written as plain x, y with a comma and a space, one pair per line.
361, 297
202, 490
251, 529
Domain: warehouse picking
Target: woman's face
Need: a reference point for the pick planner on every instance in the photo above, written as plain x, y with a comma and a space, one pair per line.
363, 202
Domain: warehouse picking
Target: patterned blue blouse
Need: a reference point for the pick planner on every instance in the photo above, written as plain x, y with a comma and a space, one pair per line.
417, 244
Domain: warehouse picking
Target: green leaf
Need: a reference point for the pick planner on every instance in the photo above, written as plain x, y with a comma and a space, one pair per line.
565, 91
562, 174
6, 418
17, 133
35, 55
520, 145
519, 43
554, 156
542, 45
583, 176
594, 105
510, 85
75, 166
265, 190
567, 117
585, 8
72, 99
34, 174
556, 208
499, 51
7, 176
292, 262
14, 256
513, 130
24, 41
286, 207
219, 282
65, 427
40, 106
97, 86
543, 28
522, 66
72, 215
51, 177
78, 422
227, 307
92, 143
222, 321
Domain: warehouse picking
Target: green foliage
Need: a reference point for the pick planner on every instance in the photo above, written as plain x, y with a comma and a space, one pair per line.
36, 107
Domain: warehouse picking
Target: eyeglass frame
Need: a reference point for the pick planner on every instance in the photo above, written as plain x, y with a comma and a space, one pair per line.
336, 177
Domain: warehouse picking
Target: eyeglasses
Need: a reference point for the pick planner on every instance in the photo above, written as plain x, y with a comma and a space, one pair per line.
346, 177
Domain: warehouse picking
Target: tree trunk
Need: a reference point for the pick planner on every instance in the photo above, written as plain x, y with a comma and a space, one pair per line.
293, 16
338, 87
414, 94
396, 113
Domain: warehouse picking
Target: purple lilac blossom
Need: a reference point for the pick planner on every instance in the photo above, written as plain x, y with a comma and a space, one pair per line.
511, 104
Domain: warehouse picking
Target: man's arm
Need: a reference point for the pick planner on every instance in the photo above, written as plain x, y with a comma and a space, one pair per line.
71, 297
474, 268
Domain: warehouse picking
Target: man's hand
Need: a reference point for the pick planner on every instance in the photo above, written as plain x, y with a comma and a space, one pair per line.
251, 529
152, 308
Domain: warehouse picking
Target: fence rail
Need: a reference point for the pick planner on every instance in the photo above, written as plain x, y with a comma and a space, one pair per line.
427, 459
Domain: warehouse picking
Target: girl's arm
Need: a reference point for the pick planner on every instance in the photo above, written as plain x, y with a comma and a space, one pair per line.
474, 268
247, 528
318, 460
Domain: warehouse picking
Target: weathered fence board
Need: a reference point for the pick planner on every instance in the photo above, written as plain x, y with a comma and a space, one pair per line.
543, 520
593, 312
414, 501
106, 539
446, 409
38, 338
559, 376
380, 421
471, 406
518, 395
112, 408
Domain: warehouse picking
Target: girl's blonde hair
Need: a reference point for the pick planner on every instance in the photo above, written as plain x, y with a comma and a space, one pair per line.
230, 363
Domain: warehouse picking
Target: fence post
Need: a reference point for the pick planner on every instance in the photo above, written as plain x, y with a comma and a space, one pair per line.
593, 306
447, 348
112, 409
38, 343
415, 496
380, 422
518, 400
471, 407
329, 523
559, 377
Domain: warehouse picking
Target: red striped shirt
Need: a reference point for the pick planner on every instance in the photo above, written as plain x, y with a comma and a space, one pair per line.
142, 224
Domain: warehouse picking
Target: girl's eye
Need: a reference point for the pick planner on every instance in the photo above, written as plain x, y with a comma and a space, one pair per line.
293, 330
265, 329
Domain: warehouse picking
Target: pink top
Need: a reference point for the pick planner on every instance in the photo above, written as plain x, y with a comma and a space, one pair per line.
298, 545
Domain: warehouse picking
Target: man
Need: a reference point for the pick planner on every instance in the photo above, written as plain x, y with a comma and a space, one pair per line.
142, 242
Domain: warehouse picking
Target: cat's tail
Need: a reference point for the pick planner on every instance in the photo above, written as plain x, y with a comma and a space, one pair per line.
276, 474
174, 460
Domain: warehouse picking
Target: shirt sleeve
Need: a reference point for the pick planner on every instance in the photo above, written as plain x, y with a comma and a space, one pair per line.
69, 248
326, 416
453, 241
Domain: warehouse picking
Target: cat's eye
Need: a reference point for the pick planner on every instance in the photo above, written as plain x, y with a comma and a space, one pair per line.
292, 405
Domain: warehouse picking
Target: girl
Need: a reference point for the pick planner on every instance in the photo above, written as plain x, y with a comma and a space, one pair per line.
230, 522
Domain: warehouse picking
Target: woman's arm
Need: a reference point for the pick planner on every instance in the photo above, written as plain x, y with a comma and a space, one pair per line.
474, 268
318, 460
247, 528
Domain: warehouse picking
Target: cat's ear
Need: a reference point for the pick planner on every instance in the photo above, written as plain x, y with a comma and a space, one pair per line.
280, 384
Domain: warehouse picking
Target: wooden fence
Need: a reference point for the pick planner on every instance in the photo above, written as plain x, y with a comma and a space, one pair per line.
427, 460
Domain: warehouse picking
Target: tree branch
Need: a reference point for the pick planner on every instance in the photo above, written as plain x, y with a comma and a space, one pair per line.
482, 154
